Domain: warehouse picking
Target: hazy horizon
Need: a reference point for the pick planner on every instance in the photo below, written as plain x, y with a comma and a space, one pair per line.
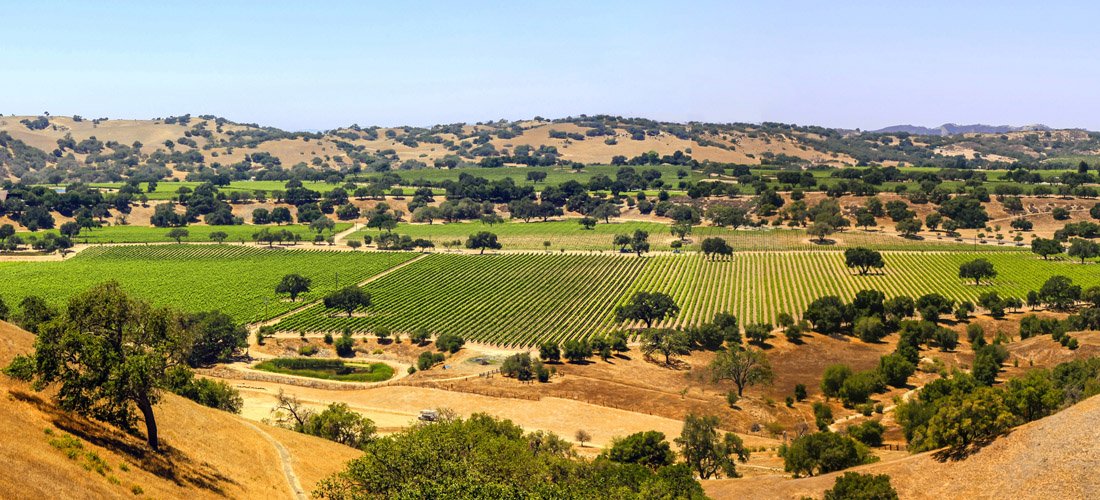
310, 67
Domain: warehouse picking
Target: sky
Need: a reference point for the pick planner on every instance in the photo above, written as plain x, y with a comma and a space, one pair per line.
323, 64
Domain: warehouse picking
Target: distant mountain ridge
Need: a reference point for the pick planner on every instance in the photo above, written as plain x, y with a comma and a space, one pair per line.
955, 129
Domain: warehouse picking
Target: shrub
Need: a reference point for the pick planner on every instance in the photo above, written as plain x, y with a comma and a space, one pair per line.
823, 452
856, 486
833, 379
868, 433
858, 388
308, 350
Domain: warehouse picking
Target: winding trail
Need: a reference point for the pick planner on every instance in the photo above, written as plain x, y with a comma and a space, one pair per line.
284, 459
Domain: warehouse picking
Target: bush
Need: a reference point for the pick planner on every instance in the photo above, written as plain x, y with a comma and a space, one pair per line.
834, 378
859, 387
518, 366
648, 449
427, 360
449, 342
896, 369
823, 452
345, 346
868, 433
800, 392
204, 391
823, 415
856, 486
308, 350
870, 329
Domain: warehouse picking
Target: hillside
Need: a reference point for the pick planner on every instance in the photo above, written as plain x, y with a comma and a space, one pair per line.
210, 454
63, 148
1052, 457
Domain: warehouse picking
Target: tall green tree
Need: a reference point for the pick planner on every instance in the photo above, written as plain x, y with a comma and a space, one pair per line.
108, 353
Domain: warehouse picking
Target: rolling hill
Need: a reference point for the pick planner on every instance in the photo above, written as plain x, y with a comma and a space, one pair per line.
66, 148
1048, 458
209, 454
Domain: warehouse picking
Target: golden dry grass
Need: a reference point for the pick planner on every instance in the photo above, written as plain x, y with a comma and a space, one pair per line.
208, 453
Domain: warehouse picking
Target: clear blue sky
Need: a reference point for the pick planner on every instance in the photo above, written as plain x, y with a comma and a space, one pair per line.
317, 65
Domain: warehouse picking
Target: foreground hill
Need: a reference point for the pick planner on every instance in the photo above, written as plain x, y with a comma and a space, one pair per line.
48, 453
1055, 457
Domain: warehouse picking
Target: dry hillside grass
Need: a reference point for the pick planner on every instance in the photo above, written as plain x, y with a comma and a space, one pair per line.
1055, 457
208, 453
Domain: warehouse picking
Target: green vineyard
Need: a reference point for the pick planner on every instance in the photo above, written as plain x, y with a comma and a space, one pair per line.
238, 280
502, 299
521, 299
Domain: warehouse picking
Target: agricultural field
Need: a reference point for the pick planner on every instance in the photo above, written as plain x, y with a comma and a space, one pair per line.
238, 280
512, 299
757, 286
523, 299
569, 235
198, 234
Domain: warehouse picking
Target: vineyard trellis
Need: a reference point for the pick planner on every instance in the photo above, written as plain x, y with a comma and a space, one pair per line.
525, 299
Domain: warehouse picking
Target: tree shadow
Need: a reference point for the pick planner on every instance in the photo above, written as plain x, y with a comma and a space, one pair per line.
955, 454
169, 463
825, 242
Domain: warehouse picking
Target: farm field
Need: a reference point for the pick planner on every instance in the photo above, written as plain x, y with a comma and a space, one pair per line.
524, 299
237, 280
501, 299
568, 234
198, 234
757, 286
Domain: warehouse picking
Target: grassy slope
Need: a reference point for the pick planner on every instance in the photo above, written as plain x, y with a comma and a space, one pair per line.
237, 280
1054, 457
210, 454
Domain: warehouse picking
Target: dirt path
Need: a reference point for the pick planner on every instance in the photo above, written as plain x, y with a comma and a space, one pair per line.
339, 238
284, 460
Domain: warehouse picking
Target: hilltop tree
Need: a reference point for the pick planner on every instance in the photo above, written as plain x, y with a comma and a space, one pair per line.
863, 258
294, 285
744, 367
348, 299
647, 307
977, 269
109, 353
1046, 248
482, 240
